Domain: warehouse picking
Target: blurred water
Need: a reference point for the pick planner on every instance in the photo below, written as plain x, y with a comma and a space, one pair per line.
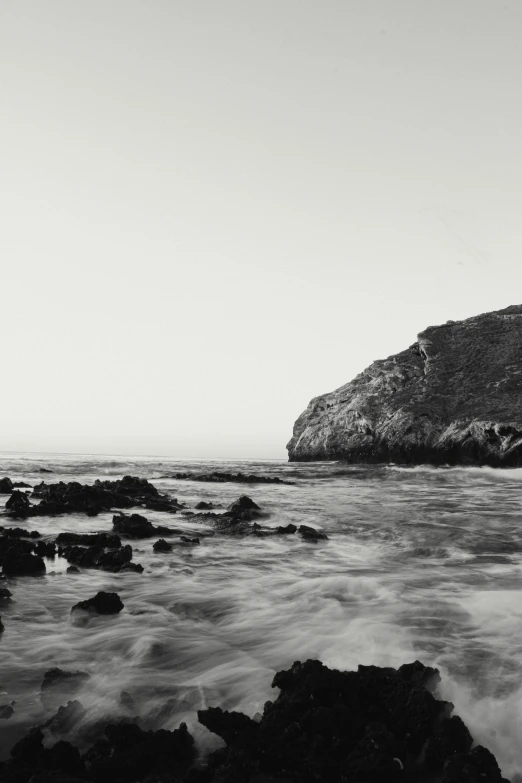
420, 563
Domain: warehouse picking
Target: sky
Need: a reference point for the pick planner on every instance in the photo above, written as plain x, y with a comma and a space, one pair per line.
212, 211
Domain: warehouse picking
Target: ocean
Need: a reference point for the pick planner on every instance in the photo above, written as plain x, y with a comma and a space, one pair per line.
420, 564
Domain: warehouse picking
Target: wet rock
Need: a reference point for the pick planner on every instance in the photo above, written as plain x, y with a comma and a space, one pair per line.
243, 509
16, 563
6, 711
131, 486
101, 603
311, 534
202, 506
30, 747
288, 530
45, 470
136, 526
136, 568
14, 546
374, 725
73, 497
127, 701
58, 684
478, 766
66, 718
65, 757
6, 486
45, 548
131, 754
188, 540
21, 485
234, 727
96, 557
217, 477
73, 570
30, 762
2, 626
162, 546
19, 532
451, 737
18, 505
243, 502
105, 540
114, 559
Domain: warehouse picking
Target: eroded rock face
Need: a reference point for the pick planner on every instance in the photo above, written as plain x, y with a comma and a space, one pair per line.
453, 397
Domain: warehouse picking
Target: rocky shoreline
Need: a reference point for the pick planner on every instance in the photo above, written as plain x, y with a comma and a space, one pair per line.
370, 726
454, 397
373, 725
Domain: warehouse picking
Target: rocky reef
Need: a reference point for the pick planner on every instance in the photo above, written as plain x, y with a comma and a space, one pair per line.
375, 725
453, 397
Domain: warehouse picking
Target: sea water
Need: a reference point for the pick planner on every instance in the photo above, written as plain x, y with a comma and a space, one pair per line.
420, 563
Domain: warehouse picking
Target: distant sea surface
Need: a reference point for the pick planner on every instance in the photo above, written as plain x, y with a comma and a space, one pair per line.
420, 563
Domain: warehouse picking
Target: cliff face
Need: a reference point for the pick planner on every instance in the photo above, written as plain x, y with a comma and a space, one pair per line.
453, 397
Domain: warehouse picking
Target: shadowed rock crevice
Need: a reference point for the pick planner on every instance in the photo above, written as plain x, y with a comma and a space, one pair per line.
454, 397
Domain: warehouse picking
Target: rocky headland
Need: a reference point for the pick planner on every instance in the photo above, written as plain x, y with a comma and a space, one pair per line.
453, 397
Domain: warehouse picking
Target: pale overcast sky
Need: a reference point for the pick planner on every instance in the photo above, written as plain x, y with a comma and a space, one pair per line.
213, 210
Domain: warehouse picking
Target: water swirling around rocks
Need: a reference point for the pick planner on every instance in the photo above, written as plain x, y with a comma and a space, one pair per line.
420, 563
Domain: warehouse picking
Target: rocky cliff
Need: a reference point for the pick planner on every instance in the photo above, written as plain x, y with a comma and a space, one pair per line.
453, 397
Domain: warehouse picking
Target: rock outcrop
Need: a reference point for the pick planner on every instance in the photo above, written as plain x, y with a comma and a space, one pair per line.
453, 397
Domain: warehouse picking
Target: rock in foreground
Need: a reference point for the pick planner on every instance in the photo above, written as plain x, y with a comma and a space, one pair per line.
375, 725
370, 726
453, 397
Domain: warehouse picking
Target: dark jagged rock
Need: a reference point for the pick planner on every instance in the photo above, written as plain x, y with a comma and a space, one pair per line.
6, 486
162, 546
202, 506
188, 540
454, 397
371, 726
375, 725
242, 503
21, 485
96, 557
16, 545
243, 509
105, 540
30, 762
45, 470
73, 497
19, 532
131, 754
17, 563
288, 530
5, 594
136, 526
2, 626
136, 568
311, 534
58, 685
217, 477
45, 548
66, 718
130, 486
478, 766
6, 711
18, 505
102, 603
73, 570
127, 701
